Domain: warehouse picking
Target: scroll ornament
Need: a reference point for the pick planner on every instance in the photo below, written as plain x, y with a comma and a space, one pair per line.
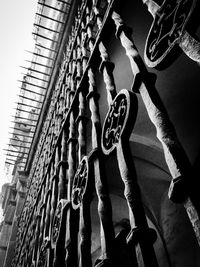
168, 30
57, 222
80, 183
116, 122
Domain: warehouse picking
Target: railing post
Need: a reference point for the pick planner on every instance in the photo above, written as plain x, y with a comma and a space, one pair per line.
104, 204
116, 132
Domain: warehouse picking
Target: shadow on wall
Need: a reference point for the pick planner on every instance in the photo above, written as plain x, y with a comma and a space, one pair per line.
176, 243
178, 234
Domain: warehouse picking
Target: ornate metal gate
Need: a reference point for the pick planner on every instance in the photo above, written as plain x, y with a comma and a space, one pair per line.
69, 164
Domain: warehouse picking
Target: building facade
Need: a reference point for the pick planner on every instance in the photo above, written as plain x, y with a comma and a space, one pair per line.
110, 176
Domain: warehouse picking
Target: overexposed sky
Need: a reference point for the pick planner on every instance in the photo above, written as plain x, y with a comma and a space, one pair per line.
16, 27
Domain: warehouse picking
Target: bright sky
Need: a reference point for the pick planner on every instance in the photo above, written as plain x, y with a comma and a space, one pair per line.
16, 26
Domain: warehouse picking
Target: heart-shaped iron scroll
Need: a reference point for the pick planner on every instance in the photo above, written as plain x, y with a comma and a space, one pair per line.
167, 29
116, 125
80, 183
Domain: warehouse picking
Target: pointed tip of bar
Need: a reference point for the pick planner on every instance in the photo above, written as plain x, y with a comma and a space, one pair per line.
34, 77
9, 163
27, 68
14, 116
32, 70
28, 51
21, 81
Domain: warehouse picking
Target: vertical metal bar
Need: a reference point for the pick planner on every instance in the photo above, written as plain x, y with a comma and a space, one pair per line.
83, 48
71, 245
85, 216
58, 240
40, 240
71, 153
120, 121
48, 206
81, 122
106, 69
54, 185
98, 16
32, 237
104, 204
62, 184
36, 241
89, 31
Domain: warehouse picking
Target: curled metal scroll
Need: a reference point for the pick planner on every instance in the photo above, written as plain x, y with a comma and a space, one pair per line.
168, 29
80, 183
57, 222
116, 124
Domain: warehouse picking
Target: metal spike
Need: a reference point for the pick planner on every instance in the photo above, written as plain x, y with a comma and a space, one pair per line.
31, 76
41, 46
6, 162
30, 91
11, 157
35, 71
15, 156
21, 135
45, 28
44, 37
20, 162
18, 129
54, 8
9, 163
64, 2
27, 119
27, 105
37, 63
17, 160
46, 17
26, 111
31, 125
39, 86
25, 142
30, 99
18, 146
39, 55
13, 151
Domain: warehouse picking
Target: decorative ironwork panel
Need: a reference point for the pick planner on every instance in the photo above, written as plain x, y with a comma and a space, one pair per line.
59, 219
116, 122
168, 30
80, 182
117, 128
62, 177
